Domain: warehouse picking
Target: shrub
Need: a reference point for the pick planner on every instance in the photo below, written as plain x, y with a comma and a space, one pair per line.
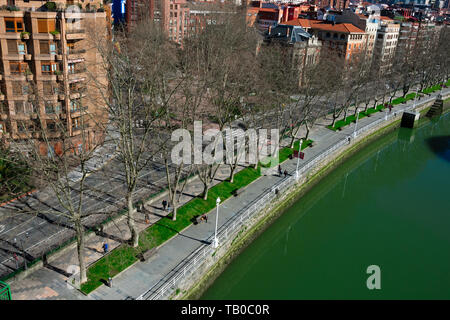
51, 6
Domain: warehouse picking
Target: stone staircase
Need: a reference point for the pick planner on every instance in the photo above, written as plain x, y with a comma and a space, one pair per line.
437, 108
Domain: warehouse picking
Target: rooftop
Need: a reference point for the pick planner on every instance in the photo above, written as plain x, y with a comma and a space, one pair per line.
323, 25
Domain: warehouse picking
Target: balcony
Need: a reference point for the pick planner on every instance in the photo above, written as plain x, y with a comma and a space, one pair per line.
77, 34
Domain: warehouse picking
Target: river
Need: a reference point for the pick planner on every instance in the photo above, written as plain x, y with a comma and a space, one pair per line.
388, 205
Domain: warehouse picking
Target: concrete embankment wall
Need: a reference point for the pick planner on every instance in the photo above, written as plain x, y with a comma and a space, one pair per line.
196, 284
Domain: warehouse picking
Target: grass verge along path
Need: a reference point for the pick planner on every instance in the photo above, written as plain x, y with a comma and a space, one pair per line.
124, 256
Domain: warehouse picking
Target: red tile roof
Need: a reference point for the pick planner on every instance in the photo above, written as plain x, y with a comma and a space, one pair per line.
319, 24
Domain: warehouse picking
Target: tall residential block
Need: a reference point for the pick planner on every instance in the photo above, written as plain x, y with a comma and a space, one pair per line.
46, 52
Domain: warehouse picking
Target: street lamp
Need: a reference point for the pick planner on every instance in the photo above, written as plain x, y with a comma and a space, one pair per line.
297, 175
356, 124
216, 241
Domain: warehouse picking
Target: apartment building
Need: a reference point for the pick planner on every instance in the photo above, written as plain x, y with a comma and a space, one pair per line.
45, 63
368, 23
344, 38
303, 48
385, 44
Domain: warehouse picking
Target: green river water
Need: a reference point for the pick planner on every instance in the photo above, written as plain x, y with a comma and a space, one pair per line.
389, 205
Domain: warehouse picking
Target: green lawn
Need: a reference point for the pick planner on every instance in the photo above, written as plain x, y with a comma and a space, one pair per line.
432, 89
350, 119
341, 123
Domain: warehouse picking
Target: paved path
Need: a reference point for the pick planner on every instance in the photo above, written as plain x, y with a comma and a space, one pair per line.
49, 283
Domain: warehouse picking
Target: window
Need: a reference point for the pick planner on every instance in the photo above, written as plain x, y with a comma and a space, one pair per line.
49, 67
70, 47
17, 67
51, 149
52, 108
46, 25
71, 67
52, 48
45, 47
21, 48
74, 105
14, 25
16, 47
75, 123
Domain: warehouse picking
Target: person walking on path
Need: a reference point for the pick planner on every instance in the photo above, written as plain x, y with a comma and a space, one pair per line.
164, 204
390, 108
280, 172
285, 173
105, 248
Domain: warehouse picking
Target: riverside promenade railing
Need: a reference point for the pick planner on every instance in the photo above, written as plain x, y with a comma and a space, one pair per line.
245, 217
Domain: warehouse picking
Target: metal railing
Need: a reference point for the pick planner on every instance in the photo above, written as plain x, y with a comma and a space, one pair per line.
244, 218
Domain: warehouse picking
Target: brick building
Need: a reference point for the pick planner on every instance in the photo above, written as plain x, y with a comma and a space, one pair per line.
45, 54
346, 39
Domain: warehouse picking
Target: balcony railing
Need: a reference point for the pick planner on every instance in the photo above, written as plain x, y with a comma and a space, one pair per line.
73, 31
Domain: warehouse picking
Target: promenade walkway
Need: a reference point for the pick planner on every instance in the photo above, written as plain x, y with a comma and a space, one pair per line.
49, 282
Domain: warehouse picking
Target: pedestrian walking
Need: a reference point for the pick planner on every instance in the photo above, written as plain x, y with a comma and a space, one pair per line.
164, 204
279, 170
105, 247
285, 173
390, 108
206, 218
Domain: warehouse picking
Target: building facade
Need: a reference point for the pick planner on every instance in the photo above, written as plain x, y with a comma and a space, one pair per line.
45, 62
385, 45
343, 38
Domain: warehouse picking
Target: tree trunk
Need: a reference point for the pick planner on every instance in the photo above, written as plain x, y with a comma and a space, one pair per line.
292, 142
134, 239
205, 191
232, 173
80, 250
175, 209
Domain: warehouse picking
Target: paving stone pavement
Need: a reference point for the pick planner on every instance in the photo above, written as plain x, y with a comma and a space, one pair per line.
49, 283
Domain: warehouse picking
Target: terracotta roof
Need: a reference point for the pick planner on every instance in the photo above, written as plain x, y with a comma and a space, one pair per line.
386, 18
268, 10
319, 24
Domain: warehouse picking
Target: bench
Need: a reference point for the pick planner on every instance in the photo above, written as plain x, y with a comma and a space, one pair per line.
146, 254
237, 192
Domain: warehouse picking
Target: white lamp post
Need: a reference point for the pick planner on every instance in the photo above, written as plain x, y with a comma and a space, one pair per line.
356, 124
297, 176
216, 241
